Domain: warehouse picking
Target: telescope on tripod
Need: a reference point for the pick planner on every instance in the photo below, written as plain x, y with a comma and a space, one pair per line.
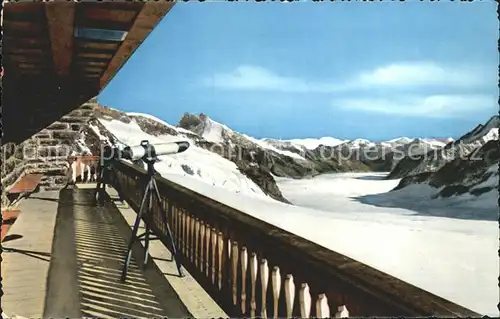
148, 153
144, 151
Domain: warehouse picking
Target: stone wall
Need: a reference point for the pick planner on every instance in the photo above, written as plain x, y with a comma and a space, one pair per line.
47, 151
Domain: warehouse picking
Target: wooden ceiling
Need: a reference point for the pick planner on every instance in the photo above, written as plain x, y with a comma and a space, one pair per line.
56, 55
40, 38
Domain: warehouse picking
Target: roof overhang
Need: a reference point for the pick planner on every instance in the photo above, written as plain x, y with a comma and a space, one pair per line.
69, 50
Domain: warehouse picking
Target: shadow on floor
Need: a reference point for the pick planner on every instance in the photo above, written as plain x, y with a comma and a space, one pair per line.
11, 237
65, 202
91, 257
30, 253
428, 208
100, 262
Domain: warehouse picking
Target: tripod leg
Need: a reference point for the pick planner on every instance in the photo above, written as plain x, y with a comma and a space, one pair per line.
100, 181
148, 229
167, 227
146, 246
134, 233
174, 251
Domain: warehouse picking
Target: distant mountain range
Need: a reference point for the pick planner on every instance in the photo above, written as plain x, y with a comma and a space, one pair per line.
418, 160
377, 156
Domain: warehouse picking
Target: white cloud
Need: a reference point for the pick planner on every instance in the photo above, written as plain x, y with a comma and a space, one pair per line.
398, 75
420, 74
247, 77
429, 106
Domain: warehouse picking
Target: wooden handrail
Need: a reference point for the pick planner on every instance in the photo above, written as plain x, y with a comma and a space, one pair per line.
252, 268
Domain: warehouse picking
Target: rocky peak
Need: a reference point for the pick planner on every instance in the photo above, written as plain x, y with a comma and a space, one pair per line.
108, 113
153, 127
436, 157
189, 121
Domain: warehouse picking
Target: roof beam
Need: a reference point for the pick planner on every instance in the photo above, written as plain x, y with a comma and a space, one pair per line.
60, 19
148, 18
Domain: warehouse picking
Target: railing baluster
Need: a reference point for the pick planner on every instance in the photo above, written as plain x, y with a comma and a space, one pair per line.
234, 272
322, 309
188, 236
202, 244
175, 230
276, 280
342, 312
253, 281
185, 226
220, 247
82, 172
226, 263
171, 210
207, 251
289, 295
179, 227
170, 216
244, 267
183, 230
73, 171
264, 279
192, 228
182, 217
214, 253
305, 301
196, 243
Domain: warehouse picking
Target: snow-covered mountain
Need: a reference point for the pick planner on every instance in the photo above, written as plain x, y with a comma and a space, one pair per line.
481, 134
218, 133
198, 162
293, 161
468, 166
303, 144
222, 157
300, 145
219, 155
475, 175
436, 158
377, 155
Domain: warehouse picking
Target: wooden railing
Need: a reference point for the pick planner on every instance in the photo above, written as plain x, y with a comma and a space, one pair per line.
85, 167
254, 269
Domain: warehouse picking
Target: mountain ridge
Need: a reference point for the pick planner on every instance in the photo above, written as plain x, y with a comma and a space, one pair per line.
435, 159
261, 159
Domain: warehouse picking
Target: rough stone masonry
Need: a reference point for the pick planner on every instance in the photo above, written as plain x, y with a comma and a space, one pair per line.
47, 151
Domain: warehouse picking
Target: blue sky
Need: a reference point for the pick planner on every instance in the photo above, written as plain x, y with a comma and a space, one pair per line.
342, 69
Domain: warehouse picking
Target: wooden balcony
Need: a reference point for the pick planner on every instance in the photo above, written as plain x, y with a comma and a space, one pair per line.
254, 269
235, 265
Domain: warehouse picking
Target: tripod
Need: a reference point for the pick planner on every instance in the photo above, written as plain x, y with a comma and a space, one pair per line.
105, 170
145, 212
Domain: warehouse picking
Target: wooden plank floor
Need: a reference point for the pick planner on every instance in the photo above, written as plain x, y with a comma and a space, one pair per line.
25, 270
68, 264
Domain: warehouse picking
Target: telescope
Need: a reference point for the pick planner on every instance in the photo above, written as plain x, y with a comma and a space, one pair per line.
148, 153
144, 151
